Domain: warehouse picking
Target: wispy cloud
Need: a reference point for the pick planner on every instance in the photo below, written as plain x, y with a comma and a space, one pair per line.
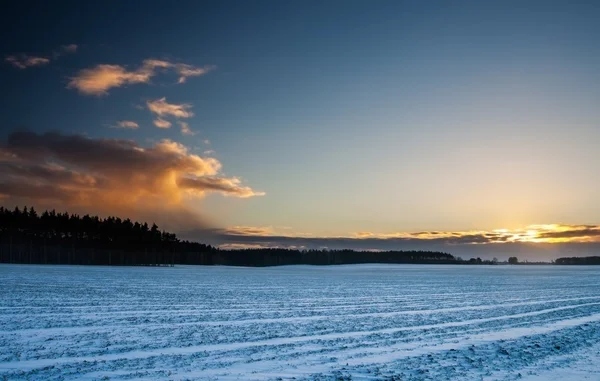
108, 174
23, 61
127, 124
65, 49
161, 123
71, 48
101, 78
185, 129
186, 71
226, 186
161, 107
261, 231
243, 246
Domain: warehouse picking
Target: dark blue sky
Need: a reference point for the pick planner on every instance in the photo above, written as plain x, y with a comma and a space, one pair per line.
351, 116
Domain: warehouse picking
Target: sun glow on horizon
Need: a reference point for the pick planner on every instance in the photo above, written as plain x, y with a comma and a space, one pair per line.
542, 233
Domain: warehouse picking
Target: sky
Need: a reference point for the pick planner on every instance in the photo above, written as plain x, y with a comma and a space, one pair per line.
467, 126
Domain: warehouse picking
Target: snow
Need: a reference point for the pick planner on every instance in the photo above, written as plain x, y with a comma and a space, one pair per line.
359, 322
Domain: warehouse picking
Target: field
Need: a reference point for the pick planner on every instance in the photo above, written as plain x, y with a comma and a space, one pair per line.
359, 322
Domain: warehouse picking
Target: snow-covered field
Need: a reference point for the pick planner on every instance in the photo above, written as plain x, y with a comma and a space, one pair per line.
388, 322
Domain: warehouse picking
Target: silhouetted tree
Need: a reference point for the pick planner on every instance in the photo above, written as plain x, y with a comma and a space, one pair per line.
63, 238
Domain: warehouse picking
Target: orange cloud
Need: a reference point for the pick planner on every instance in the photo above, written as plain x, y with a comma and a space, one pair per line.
109, 174
227, 186
161, 107
548, 242
101, 78
98, 80
250, 230
161, 123
548, 233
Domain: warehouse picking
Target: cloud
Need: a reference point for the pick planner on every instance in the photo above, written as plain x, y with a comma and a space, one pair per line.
110, 175
151, 65
23, 61
101, 78
250, 230
161, 107
127, 124
185, 129
242, 246
548, 233
588, 232
186, 71
161, 123
65, 49
540, 242
71, 48
227, 186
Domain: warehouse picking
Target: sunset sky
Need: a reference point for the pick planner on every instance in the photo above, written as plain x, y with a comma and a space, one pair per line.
471, 126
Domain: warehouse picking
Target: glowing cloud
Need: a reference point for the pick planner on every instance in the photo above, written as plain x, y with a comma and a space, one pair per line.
161, 107
549, 242
161, 123
98, 80
262, 231
108, 174
226, 186
101, 78
549, 233
538, 241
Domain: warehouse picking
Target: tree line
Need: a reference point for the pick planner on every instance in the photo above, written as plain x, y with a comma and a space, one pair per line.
62, 238
578, 261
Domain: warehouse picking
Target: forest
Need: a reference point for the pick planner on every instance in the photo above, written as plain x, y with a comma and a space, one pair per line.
578, 261
63, 238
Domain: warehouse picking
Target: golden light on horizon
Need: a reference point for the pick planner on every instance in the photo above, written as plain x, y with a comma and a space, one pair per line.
539, 233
